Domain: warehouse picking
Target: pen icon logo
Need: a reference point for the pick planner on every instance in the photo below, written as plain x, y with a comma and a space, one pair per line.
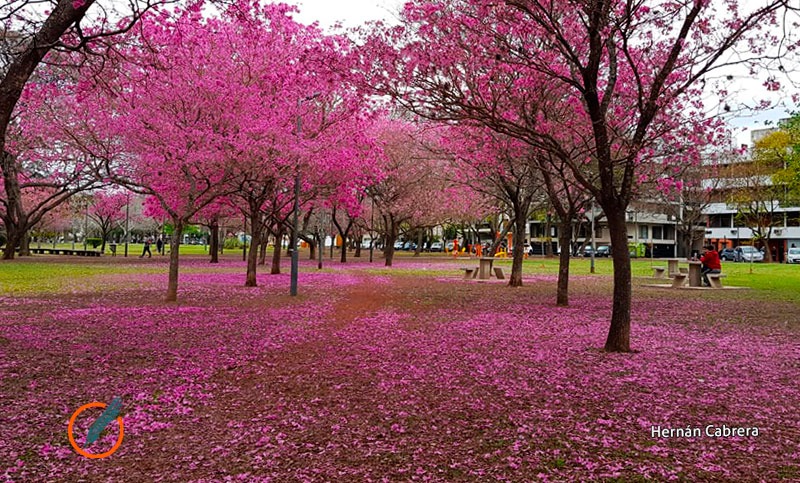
110, 414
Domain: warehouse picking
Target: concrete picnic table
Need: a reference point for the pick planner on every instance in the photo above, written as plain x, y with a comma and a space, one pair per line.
695, 275
672, 266
485, 270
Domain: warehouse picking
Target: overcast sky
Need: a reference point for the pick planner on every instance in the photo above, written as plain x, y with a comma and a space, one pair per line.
351, 13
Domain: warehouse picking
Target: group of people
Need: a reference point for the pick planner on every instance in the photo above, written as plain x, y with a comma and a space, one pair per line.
160, 247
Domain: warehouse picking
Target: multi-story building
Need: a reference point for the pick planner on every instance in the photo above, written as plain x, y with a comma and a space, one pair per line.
778, 218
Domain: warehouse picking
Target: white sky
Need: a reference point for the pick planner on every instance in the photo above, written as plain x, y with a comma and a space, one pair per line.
351, 13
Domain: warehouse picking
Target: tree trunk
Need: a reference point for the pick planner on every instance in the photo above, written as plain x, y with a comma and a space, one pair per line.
312, 250
25, 244
419, 243
12, 240
213, 245
518, 250
343, 254
619, 333
252, 255
175, 243
548, 229
359, 241
564, 239
276, 253
262, 249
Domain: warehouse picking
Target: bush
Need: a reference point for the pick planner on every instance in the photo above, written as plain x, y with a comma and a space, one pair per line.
94, 242
232, 243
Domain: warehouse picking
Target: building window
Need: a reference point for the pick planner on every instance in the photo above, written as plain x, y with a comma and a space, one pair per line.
643, 232
669, 232
658, 233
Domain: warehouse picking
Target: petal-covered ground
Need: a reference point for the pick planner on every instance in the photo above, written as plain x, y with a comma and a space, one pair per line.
407, 374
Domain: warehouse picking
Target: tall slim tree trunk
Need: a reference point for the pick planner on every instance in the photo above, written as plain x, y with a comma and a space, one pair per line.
175, 243
548, 229
564, 240
359, 241
25, 244
343, 254
255, 242
619, 333
419, 243
213, 245
276, 253
518, 250
262, 249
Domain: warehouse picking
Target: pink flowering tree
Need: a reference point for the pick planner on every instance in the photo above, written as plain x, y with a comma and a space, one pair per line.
107, 211
630, 76
61, 34
179, 117
43, 163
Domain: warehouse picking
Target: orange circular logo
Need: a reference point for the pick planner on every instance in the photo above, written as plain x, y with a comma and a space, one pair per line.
80, 450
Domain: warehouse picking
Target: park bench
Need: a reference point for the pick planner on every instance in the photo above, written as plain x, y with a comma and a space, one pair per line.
714, 279
470, 272
679, 279
498, 272
659, 272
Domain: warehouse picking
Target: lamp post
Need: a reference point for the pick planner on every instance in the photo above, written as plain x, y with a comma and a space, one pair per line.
295, 215
371, 229
127, 219
591, 267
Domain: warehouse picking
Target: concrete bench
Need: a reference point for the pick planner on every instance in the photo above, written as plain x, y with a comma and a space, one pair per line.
659, 272
714, 279
470, 272
679, 279
498, 272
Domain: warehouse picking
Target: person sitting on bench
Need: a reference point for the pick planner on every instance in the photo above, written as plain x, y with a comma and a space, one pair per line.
711, 263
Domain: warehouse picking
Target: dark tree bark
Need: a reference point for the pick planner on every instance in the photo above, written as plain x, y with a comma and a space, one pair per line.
619, 333
175, 243
262, 249
565, 241
256, 231
213, 245
419, 243
392, 231
276, 254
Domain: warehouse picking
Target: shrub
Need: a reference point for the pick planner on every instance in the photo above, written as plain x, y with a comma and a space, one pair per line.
94, 242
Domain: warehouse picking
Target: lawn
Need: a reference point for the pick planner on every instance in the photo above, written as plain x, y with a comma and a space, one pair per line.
401, 374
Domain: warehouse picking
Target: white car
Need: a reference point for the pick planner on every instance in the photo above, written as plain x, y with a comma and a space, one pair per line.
749, 254
793, 255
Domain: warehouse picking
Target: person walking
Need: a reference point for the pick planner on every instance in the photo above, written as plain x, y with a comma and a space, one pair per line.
160, 246
146, 249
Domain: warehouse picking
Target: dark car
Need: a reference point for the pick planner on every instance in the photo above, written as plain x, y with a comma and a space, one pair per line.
603, 251
587, 251
728, 254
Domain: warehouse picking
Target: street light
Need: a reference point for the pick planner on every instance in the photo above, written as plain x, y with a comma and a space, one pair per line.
295, 215
591, 267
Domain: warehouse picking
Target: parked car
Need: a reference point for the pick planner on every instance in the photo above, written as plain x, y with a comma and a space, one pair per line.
587, 251
728, 254
450, 246
398, 245
436, 246
603, 251
793, 255
748, 254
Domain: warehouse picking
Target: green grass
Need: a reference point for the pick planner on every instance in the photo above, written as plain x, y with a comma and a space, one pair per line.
31, 277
